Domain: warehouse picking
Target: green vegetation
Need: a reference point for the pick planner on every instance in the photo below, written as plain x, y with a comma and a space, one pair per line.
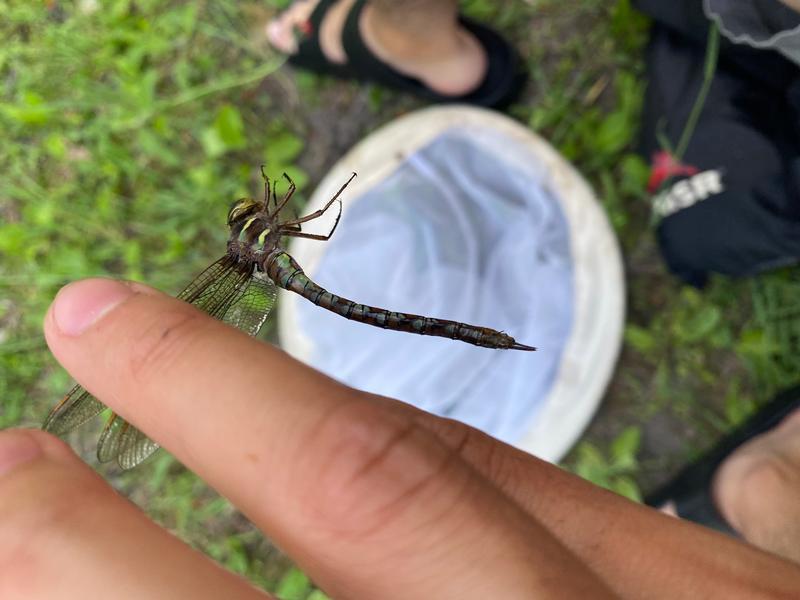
129, 127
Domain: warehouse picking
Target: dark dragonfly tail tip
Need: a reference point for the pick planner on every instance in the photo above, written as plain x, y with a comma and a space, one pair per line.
523, 348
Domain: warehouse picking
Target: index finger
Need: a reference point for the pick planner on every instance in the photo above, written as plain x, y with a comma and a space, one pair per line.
370, 502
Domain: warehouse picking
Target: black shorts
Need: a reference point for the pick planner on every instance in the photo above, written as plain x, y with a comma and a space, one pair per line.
733, 206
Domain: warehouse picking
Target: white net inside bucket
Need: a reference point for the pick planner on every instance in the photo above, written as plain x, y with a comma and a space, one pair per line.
456, 232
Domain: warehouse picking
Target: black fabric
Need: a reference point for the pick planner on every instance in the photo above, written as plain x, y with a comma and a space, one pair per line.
505, 75
777, 16
747, 136
688, 21
690, 491
309, 54
760, 19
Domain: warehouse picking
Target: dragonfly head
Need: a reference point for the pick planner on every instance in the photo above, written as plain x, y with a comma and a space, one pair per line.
242, 210
251, 227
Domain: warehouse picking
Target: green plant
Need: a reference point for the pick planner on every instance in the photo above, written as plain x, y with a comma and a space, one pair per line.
771, 344
615, 470
296, 586
129, 128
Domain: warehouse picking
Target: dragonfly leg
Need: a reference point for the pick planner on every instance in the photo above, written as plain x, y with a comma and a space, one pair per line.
289, 193
288, 229
308, 236
266, 185
318, 213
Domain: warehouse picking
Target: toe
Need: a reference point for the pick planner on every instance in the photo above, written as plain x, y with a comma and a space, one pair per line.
281, 31
281, 37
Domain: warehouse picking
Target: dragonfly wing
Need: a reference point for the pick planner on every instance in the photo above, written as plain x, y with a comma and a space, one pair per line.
108, 445
135, 448
233, 294
226, 290
77, 407
222, 286
217, 288
122, 442
251, 310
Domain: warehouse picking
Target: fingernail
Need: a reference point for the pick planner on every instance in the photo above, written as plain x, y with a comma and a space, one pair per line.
16, 448
81, 304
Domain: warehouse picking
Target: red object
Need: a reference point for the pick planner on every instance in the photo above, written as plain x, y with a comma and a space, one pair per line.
665, 166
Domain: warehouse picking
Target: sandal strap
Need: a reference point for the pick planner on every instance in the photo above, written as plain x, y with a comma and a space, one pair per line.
364, 63
504, 75
309, 53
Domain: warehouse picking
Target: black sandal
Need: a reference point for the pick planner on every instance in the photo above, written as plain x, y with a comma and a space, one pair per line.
690, 492
505, 75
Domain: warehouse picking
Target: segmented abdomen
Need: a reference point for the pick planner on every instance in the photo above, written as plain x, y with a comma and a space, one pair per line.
286, 273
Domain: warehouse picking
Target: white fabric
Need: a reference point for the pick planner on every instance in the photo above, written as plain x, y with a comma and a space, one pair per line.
453, 233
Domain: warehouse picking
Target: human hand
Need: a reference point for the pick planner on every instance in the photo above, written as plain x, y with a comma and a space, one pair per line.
793, 4
372, 498
367, 498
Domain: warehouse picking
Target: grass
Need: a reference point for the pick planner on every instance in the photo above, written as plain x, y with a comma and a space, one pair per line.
129, 129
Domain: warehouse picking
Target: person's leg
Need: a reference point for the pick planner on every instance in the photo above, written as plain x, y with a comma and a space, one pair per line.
757, 490
419, 38
423, 39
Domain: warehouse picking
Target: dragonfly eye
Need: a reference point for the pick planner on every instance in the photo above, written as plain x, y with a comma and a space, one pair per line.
242, 209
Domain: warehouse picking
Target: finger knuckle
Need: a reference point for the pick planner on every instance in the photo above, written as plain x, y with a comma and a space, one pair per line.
485, 454
377, 467
163, 341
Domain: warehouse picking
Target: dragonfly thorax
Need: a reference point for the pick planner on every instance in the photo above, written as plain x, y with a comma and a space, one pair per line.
253, 229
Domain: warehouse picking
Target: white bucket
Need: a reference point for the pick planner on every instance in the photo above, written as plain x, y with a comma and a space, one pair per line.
591, 346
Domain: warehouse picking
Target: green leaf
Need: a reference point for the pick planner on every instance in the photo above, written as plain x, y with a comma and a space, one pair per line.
158, 474
699, 324
591, 465
236, 559
737, 407
640, 339
282, 149
625, 447
480, 10
614, 134
212, 143
625, 486
635, 173
132, 255
230, 127
752, 343
55, 146
376, 98
13, 238
294, 585
71, 262
32, 110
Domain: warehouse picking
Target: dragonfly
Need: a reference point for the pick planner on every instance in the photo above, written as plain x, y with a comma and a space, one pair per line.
240, 289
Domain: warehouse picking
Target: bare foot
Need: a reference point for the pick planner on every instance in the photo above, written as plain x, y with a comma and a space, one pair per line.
757, 489
452, 62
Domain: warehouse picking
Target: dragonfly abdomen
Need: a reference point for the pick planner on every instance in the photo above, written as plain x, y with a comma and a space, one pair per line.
286, 273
